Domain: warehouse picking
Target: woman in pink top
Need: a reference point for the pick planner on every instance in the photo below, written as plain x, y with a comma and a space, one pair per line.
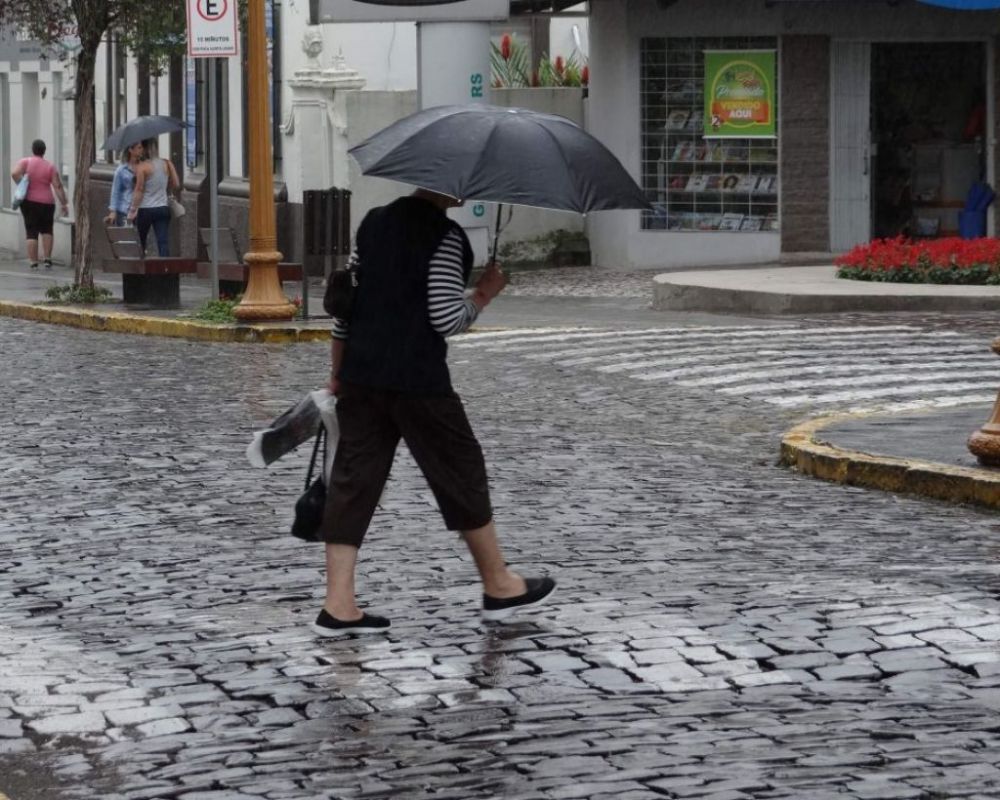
39, 208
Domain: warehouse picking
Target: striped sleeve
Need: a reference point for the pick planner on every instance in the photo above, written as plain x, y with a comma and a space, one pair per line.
450, 310
340, 326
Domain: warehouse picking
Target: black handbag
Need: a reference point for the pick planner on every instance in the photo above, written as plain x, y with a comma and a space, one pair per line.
309, 507
341, 286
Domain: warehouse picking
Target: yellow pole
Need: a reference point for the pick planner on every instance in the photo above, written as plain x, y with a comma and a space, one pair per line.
263, 299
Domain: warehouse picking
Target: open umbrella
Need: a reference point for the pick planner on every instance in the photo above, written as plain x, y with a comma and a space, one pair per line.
501, 155
965, 5
140, 128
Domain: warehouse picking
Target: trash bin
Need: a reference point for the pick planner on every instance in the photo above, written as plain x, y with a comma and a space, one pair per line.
971, 224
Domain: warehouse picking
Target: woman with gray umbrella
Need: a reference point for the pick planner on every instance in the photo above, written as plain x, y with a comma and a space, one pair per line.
390, 375
150, 207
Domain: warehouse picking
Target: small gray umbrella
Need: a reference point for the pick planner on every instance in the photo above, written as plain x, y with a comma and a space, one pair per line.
140, 128
501, 155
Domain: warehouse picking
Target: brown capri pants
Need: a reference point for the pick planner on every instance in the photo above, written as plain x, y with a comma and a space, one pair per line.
437, 432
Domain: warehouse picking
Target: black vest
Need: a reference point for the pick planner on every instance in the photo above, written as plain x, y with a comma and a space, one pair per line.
391, 344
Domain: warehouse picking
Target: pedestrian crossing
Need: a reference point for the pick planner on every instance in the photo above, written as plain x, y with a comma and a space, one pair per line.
794, 366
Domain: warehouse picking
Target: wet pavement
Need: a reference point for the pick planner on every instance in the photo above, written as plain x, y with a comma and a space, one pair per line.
724, 629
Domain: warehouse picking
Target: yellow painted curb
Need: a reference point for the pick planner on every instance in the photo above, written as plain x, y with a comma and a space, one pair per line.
118, 322
801, 450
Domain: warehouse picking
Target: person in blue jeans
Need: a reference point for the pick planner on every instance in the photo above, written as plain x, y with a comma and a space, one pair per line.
154, 178
123, 185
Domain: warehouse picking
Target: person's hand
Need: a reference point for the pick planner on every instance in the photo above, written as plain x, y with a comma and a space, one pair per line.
334, 385
65, 209
110, 218
490, 284
131, 215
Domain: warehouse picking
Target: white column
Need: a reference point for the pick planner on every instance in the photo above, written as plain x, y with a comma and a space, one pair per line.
18, 146
132, 88
453, 68
234, 124
317, 121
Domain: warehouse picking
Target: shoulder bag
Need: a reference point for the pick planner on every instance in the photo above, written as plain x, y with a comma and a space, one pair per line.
341, 286
20, 192
309, 507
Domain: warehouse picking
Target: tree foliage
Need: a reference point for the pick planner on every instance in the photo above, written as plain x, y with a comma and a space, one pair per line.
72, 30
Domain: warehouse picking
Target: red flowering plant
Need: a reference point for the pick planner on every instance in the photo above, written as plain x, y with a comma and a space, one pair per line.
900, 260
511, 68
509, 63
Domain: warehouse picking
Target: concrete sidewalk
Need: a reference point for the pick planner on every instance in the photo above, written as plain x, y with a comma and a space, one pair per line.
808, 290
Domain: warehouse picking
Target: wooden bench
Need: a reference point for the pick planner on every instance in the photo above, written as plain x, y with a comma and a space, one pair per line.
146, 280
234, 274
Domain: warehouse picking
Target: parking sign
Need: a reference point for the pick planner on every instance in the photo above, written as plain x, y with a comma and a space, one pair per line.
212, 28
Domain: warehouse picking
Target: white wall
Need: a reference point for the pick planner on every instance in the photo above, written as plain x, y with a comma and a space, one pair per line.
35, 117
385, 53
563, 39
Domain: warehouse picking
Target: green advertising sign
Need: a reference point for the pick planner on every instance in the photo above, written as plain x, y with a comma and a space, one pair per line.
740, 101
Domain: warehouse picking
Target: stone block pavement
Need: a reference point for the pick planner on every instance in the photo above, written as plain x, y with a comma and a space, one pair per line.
725, 628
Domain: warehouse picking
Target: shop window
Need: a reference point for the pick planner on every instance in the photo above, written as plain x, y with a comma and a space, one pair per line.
699, 184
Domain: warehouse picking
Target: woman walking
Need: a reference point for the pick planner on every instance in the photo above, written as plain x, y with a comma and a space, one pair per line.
39, 208
154, 178
123, 184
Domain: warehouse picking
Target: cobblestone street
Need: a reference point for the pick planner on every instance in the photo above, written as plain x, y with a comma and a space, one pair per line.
725, 629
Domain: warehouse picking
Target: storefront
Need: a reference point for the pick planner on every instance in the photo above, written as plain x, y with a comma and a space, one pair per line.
853, 119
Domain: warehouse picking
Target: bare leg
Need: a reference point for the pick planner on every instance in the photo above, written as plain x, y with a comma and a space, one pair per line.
33, 250
46, 245
341, 603
498, 581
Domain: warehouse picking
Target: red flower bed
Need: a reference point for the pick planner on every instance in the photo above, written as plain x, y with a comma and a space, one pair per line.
953, 260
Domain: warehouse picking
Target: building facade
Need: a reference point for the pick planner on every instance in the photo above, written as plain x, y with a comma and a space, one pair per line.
885, 118
331, 86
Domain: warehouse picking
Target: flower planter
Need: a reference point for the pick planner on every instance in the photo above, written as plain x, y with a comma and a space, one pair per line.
942, 261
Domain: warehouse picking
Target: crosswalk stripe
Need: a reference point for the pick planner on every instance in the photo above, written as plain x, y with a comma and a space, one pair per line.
860, 380
928, 403
884, 340
741, 355
786, 365
583, 355
982, 364
671, 334
851, 396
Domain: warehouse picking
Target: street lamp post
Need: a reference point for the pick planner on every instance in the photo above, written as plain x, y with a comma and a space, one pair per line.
984, 444
263, 299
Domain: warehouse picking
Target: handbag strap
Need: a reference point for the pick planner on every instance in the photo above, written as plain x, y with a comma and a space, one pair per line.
320, 441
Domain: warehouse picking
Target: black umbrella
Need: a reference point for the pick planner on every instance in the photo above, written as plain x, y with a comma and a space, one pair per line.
501, 155
140, 128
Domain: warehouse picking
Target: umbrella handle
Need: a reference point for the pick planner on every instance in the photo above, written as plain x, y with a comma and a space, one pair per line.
496, 235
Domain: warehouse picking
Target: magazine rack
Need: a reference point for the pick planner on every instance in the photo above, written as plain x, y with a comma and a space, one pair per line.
700, 184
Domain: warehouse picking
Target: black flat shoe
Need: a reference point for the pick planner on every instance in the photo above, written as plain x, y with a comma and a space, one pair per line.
496, 609
328, 625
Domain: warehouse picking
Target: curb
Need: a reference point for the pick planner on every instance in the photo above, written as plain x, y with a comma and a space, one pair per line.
801, 450
117, 322
676, 296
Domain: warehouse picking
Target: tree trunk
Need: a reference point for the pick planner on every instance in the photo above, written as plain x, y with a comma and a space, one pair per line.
83, 123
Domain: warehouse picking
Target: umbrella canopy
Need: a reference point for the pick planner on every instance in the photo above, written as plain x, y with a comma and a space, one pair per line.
965, 5
501, 155
140, 128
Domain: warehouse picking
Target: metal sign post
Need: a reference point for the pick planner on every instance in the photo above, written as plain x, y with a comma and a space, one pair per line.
213, 183
212, 32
